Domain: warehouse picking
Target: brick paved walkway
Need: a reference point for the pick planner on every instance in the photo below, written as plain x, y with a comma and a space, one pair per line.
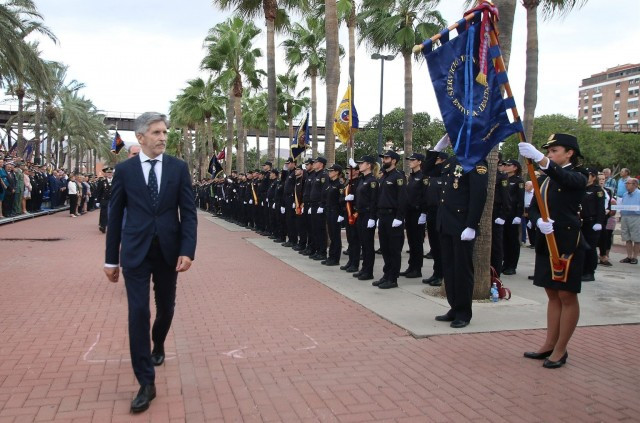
255, 340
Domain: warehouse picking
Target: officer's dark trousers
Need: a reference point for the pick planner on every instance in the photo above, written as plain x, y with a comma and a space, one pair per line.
497, 243
391, 242
319, 227
333, 227
457, 266
591, 255
434, 242
164, 286
303, 229
415, 239
366, 236
354, 243
104, 214
292, 228
511, 245
257, 216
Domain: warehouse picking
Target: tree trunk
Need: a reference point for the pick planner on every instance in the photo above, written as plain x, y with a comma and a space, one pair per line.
314, 114
49, 157
36, 132
531, 75
333, 77
210, 151
482, 249
229, 154
272, 99
22, 142
258, 148
351, 25
240, 134
408, 110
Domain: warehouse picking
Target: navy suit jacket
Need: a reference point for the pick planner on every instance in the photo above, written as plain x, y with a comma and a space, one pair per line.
174, 220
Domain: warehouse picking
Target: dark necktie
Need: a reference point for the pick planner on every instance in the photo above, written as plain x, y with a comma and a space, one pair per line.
153, 184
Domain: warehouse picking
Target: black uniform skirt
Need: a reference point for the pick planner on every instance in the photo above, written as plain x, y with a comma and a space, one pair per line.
566, 240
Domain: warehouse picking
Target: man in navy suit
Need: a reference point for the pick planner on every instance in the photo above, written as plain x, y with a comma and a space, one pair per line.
157, 239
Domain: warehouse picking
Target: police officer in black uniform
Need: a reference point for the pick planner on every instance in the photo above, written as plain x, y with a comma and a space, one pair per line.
351, 224
434, 187
391, 209
289, 204
461, 204
103, 196
318, 218
306, 234
593, 219
512, 226
366, 205
499, 216
333, 212
416, 217
299, 216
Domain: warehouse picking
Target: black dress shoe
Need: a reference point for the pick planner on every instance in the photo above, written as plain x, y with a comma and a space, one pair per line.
429, 279
306, 252
345, 252
405, 272
548, 364
288, 244
379, 281
429, 256
388, 284
157, 357
298, 247
351, 269
445, 318
365, 277
588, 278
319, 257
413, 274
143, 399
101, 229
536, 355
346, 266
330, 262
457, 324
379, 251
530, 277
436, 282
509, 272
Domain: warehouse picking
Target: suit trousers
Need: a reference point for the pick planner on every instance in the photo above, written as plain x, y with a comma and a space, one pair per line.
590, 255
511, 246
391, 242
457, 266
434, 241
415, 239
137, 281
302, 227
497, 244
354, 243
319, 227
335, 248
366, 236
292, 229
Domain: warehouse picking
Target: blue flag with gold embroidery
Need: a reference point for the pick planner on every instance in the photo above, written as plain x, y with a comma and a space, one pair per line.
467, 88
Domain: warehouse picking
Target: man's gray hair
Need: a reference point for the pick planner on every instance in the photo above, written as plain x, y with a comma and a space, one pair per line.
142, 122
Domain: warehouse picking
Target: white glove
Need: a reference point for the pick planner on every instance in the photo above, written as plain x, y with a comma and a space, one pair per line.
97, 204
349, 197
530, 152
396, 223
244, 202
309, 212
302, 209
261, 203
340, 219
499, 221
443, 143
352, 162
293, 206
250, 201
320, 210
545, 227
235, 190
597, 227
529, 224
422, 219
371, 223
274, 206
227, 201
468, 234
516, 221
282, 210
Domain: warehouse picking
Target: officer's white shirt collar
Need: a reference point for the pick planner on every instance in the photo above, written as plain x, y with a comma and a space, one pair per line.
144, 157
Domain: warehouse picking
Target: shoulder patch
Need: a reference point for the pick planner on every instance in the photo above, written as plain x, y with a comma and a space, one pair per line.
505, 183
400, 181
373, 184
425, 181
600, 194
322, 180
521, 185
341, 191
481, 169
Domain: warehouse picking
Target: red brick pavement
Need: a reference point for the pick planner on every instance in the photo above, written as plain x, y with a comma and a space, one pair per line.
254, 340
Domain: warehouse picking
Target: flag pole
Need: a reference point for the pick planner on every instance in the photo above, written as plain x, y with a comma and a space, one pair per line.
559, 264
350, 144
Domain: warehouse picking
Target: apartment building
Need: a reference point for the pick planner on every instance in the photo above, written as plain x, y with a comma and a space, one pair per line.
609, 100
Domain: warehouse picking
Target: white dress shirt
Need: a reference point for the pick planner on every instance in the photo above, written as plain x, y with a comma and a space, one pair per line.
146, 167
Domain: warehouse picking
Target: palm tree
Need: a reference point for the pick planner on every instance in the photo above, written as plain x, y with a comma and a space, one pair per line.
292, 103
232, 58
398, 25
275, 14
256, 112
333, 76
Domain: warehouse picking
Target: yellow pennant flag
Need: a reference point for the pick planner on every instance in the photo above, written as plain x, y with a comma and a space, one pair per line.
345, 118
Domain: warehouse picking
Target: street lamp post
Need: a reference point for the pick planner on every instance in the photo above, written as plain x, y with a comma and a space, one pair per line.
382, 58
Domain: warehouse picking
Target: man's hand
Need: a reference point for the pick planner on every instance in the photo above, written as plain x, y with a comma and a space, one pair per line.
113, 273
184, 263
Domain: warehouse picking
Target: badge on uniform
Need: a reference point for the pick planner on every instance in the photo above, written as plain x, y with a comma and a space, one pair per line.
521, 185
600, 194
481, 169
341, 191
505, 183
400, 181
322, 180
425, 181
373, 184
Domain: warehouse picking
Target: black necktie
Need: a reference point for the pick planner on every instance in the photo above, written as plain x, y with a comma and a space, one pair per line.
153, 184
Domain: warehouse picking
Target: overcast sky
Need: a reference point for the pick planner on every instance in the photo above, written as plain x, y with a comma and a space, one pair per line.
135, 56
